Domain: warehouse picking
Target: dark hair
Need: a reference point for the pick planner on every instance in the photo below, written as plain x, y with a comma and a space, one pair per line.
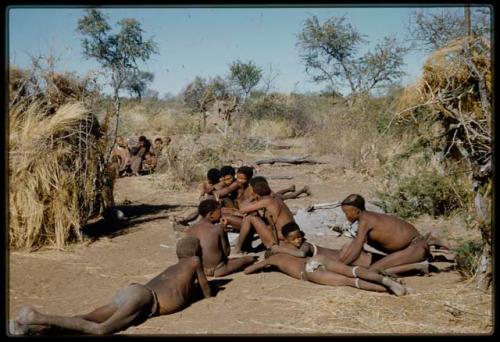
213, 176
355, 200
260, 186
227, 170
158, 139
289, 227
187, 247
247, 171
142, 138
207, 206
147, 143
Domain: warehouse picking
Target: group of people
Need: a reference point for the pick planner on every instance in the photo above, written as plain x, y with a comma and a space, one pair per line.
137, 160
235, 200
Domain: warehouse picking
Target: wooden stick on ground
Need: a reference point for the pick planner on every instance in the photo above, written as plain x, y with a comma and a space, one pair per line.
288, 160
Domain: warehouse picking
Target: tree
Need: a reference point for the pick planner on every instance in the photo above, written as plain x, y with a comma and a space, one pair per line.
117, 53
435, 30
137, 82
331, 53
245, 75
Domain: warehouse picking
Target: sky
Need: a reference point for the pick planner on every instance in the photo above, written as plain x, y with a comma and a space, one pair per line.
204, 41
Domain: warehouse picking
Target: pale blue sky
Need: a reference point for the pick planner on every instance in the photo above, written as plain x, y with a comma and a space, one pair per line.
203, 41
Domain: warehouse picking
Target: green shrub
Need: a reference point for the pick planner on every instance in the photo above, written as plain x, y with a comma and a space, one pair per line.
467, 257
427, 192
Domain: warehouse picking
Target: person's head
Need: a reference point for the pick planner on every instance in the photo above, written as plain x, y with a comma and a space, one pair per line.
260, 186
244, 174
142, 140
187, 247
213, 176
158, 142
352, 206
148, 155
227, 174
210, 209
293, 234
120, 141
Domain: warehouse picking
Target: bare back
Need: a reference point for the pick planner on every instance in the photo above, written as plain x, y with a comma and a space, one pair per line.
174, 285
387, 232
279, 211
211, 243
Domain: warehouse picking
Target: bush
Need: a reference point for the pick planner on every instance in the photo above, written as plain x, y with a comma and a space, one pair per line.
467, 257
424, 193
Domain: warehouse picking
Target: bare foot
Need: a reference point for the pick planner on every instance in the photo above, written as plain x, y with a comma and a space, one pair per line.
394, 286
26, 315
423, 267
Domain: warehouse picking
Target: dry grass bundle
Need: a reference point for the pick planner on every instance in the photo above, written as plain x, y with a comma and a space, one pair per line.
55, 169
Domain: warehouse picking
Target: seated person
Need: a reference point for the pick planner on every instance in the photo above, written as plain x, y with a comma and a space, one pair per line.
229, 191
121, 154
400, 240
206, 188
168, 292
243, 196
138, 155
275, 210
328, 272
214, 242
158, 145
149, 163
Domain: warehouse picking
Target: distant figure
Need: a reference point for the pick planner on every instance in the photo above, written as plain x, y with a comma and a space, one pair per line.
149, 163
121, 155
168, 292
138, 154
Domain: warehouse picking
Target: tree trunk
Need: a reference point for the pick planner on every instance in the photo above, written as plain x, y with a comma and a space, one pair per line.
116, 106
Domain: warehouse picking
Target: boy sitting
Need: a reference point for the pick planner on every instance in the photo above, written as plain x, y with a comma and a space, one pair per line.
400, 240
167, 293
276, 212
214, 242
206, 188
149, 163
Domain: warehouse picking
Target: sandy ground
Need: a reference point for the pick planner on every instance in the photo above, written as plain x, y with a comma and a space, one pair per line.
86, 275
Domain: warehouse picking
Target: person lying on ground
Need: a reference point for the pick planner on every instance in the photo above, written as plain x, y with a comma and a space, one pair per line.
400, 240
276, 214
297, 245
168, 292
214, 242
324, 271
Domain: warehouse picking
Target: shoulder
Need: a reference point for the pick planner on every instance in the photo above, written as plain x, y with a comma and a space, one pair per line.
195, 261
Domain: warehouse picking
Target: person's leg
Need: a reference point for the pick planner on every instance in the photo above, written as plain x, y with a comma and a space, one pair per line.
362, 273
291, 188
295, 194
138, 300
135, 165
324, 277
234, 265
411, 254
100, 314
234, 221
245, 231
420, 267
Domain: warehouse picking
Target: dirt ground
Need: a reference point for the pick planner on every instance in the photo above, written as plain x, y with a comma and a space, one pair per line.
86, 275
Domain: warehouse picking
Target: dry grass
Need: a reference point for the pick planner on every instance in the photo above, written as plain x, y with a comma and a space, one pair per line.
55, 166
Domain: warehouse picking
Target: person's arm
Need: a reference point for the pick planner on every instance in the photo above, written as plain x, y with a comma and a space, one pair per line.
287, 249
353, 250
254, 268
202, 279
227, 190
226, 247
254, 206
